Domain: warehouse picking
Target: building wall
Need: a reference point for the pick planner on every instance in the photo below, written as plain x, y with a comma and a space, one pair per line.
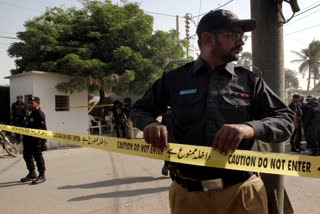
74, 120
42, 84
21, 85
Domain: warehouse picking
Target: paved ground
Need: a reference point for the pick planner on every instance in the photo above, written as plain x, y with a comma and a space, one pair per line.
85, 180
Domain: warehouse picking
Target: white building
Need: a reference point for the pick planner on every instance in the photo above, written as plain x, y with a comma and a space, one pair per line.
54, 104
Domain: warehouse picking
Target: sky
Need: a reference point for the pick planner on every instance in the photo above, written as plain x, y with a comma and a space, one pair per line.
298, 33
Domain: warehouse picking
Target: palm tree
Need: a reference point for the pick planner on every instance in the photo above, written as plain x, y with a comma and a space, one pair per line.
310, 61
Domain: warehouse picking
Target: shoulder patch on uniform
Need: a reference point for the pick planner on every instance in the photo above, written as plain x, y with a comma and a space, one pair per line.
188, 91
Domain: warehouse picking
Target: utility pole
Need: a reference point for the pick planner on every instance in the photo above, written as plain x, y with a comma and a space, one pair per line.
267, 52
177, 28
187, 21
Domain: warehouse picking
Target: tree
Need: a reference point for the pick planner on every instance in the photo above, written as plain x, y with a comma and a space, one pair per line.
291, 80
245, 59
103, 46
309, 59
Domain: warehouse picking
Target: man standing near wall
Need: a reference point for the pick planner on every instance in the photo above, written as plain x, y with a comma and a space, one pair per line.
33, 146
19, 113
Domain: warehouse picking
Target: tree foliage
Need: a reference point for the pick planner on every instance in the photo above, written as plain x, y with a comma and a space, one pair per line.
245, 59
309, 59
102, 45
291, 80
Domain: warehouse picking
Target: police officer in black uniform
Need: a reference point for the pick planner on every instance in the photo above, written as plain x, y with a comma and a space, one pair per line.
19, 113
306, 119
34, 146
315, 127
214, 103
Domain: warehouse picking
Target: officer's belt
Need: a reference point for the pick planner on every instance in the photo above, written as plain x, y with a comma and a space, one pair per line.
193, 185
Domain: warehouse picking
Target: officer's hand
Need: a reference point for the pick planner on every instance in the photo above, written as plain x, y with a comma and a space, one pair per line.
229, 137
156, 135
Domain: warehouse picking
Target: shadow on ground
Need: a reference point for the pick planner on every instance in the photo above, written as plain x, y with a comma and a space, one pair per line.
114, 182
120, 194
11, 183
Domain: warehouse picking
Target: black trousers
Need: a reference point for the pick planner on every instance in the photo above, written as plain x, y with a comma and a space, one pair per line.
18, 122
315, 137
32, 152
295, 139
306, 130
120, 127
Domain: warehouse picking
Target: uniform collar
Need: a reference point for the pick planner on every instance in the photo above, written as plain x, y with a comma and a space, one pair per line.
200, 63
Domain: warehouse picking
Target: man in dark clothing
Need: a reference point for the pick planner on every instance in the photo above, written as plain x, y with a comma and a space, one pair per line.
19, 113
120, 119
295, 139
315, 127
306, 119
33, 146
215, 104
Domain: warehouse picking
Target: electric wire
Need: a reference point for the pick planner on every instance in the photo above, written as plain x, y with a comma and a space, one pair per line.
310, 7
307, 10
8, 37
169, 15
161, 14
214, 9
298, 31
302, 18
8, 33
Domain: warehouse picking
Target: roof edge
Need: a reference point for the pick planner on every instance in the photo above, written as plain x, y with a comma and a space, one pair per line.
29, 73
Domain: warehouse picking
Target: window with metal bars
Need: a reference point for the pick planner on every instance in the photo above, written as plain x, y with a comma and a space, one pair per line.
62, 103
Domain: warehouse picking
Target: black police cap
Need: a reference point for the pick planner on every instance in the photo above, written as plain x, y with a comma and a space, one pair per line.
221, 20
35, 99
296, 96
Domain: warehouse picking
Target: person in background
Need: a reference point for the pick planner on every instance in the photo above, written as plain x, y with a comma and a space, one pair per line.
216, 104
306, 119
315, 127
18, 113
295, 139
33, 146
120, 119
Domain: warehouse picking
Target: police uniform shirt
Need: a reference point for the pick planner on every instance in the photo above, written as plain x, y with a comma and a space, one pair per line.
36, 120
19, 110
202, 100
306, 115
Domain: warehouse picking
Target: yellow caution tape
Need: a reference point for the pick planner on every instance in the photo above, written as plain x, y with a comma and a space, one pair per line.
265, 162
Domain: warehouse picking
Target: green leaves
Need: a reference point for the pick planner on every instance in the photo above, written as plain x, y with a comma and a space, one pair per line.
102, 46
291, 80
310, 61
